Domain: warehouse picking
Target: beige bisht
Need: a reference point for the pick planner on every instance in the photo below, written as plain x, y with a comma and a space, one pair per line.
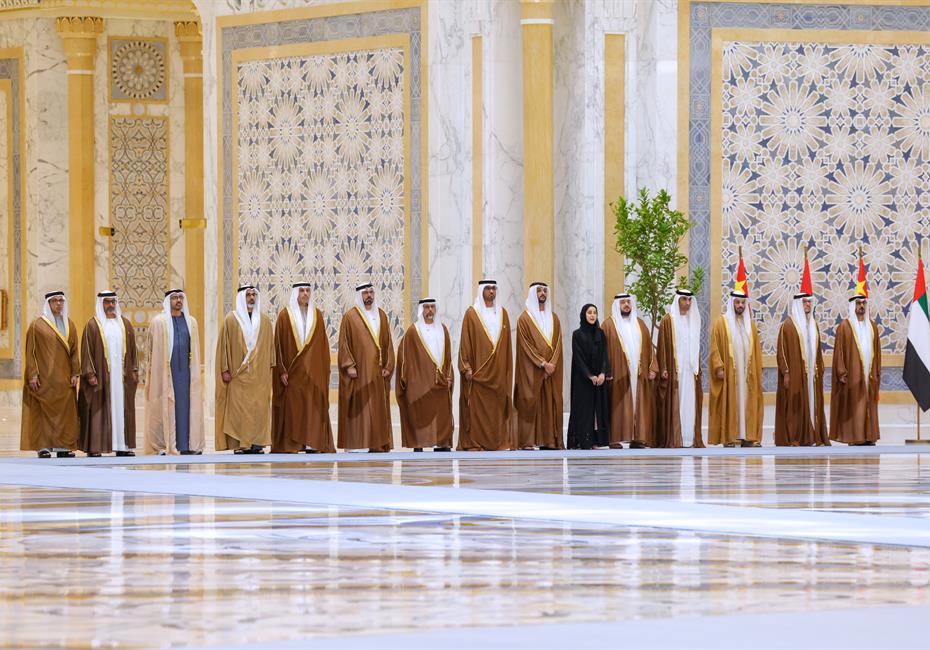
424, 384
736, 405
245, 349
160, 425
538, 398
50, 417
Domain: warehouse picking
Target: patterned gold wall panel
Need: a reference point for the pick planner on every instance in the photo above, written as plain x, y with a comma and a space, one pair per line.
823, 140
6, 217
320, 173
138, 69
139, 214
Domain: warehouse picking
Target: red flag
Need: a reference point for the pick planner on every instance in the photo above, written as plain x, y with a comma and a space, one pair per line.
807, 285
740, 284
862, 289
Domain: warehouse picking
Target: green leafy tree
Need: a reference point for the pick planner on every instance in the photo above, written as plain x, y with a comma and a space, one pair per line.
648, 235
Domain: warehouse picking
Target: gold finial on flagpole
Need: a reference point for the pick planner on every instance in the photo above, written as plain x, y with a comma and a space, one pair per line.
919, 254
740, 249
860, 252
805, 251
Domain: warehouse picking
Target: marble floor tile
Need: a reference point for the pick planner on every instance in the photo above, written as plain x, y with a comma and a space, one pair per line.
118, 569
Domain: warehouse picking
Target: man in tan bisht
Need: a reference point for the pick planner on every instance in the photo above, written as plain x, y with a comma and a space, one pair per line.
857, 374
799, 414
735, 365
537, 391
300, 407
366, 363
50, 419
244, 361
109, 377
173, 391
424, 382
633, 360
679, 393
486, 369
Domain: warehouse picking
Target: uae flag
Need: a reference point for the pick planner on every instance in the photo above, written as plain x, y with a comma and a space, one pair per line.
917, 356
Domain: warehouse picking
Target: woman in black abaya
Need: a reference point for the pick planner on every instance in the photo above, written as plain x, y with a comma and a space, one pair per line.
589, 422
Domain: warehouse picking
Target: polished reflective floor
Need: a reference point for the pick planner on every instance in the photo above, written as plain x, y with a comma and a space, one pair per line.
215, 552
872, 484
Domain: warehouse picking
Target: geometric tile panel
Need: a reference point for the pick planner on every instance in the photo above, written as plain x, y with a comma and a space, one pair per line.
703, 18
320, 178
826, 146
380, 22
137, 70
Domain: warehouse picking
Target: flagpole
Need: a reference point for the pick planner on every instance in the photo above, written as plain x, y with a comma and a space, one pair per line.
918, 440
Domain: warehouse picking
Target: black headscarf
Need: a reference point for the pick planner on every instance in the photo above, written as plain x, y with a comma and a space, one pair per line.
591, 340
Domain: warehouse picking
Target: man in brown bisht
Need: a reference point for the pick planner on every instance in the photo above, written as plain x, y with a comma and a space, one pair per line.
366, 363
537, 391
244, 363
50, 419
799, 414
486, 369
735, 365
109, 376
173, 390
679, 393
632, 399
300, 407
857, 375
424, 382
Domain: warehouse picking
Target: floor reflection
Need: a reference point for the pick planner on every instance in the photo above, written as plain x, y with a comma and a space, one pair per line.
137, 570
896, 484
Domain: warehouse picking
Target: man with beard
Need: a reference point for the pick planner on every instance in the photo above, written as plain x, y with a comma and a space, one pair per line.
244, 362
109, 376
52, 369
634, 365
537, 392
799, 413
366, 363
678, 356
424, 382
300, 403
486, 369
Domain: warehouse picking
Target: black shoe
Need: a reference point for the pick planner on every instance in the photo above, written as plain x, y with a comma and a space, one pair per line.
546, 448
65, 454
442, 448
308, 450
256, 449
241, 451
418, 448
616, 445
91, 454
45, 453
185, 452
125, 454
636, 444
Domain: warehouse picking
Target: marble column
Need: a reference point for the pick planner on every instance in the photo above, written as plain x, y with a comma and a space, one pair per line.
191, 42
79, 36
538, 222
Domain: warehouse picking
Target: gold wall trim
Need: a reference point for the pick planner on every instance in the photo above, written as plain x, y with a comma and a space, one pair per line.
6, 89
138, 9
614, 150
477, 159
401, 41
192, 224
319, 11
721, 36
684, 105
326, 11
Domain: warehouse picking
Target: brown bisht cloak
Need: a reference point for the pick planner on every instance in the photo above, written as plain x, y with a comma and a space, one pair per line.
723, 420
94, 401
668, 421
854, 405
484, 402
793, 425
300, 410
424, 391
364, 402
50, 417
626, 422
537, 398
243, 416
160, 426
